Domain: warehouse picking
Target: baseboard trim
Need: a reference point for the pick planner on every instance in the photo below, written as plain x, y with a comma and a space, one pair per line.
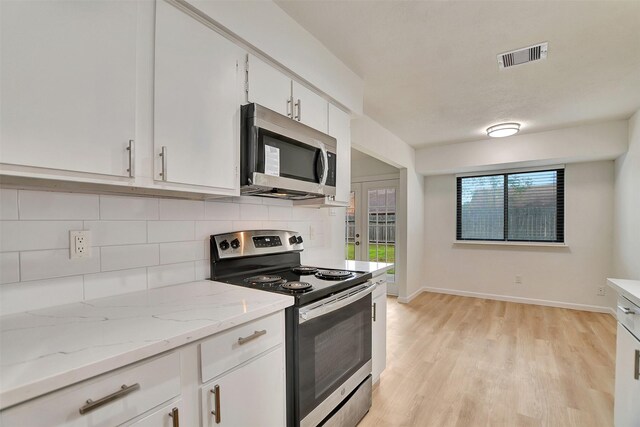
408, 299
521, 300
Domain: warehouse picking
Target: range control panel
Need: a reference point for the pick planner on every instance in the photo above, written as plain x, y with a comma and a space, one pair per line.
266, 241
255, 242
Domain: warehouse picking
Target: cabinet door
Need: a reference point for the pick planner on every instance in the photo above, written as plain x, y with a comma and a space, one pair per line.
251, 395
268, 87
197, 102
379, 331
310, 108
627, 409
168, 416
68, 84
340, 129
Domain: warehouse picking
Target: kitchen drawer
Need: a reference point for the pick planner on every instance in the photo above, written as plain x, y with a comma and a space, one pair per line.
167, 416
151, 383
381, 286
628, 314
232, 347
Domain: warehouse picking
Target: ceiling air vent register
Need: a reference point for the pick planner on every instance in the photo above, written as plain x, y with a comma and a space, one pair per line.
523, 56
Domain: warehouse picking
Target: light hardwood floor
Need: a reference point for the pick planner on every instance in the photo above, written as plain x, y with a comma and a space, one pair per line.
458, 361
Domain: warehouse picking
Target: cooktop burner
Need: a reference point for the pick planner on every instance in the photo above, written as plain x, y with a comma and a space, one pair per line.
333, 274
263, 279
296, 286
303, 269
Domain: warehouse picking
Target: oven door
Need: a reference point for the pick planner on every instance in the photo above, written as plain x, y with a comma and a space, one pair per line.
333, 352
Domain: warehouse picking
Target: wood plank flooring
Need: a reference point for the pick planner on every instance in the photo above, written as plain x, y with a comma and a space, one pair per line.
458, 361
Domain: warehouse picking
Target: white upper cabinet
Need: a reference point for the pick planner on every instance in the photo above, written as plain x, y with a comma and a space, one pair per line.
198, 92
309, 108
340, 129
68, 84
268, 87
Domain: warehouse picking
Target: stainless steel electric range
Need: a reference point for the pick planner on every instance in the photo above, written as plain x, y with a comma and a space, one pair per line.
328, 329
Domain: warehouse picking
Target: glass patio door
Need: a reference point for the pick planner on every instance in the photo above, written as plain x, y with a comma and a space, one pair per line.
371, 223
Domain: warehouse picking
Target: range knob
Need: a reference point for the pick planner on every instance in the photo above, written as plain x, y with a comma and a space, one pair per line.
299, 239
235, 243
293, 240
224, 245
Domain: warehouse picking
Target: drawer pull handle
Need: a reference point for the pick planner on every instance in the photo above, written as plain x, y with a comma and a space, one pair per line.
95, 404
251, 337
636, 374
626, 310
374, 311
216, 403
175, 415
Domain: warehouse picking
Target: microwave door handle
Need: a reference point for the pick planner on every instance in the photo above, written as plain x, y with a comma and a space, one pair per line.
325, 165
334, 304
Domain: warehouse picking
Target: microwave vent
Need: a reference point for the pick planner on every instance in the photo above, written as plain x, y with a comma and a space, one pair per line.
523, 56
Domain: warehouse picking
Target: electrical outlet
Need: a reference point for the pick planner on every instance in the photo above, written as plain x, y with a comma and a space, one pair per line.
79, 244
602, 291
518, 279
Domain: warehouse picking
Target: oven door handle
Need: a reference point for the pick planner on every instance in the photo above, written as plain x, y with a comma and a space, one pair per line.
335, 302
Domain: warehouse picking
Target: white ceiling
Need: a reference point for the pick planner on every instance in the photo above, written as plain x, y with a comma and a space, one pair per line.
430, 67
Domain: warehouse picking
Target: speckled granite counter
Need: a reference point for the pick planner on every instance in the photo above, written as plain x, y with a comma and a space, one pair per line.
45, 350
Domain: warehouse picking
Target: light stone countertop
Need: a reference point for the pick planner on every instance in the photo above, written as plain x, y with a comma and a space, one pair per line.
375, 268
45, 350
630, 289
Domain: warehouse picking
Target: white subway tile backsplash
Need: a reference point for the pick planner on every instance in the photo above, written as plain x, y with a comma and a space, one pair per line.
305, 214
26, 296
122, 207
203, 269
181, 209
51, 205
114, 283
35, 265
204, 229
171, 253
222, 211
251, 200
129, 256
8, 204
170, 231
172, 274
253, 212
36, 235
106, 233
276, 202
280, 213
249, 225
9, 267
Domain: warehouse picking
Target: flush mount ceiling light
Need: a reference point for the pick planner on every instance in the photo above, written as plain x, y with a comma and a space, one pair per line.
503, 129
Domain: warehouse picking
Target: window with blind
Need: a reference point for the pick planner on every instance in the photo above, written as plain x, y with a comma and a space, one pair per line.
516, 207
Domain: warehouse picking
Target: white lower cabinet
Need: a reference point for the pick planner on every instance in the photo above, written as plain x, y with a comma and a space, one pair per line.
166, 390
627, 395
251, 395
379, 328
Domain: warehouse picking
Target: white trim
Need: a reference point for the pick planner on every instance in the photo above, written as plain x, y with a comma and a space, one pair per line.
516, 170
370, 178
521, 300
510, 243
408, 299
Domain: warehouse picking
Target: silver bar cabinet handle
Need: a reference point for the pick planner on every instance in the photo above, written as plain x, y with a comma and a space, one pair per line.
95, 404
297, 106
636, 373
163, 154
216, 403
175, 417
626, 310
290, 107
253, 336
132, 158
374, 310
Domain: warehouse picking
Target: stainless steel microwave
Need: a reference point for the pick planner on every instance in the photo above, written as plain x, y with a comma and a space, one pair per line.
283, 158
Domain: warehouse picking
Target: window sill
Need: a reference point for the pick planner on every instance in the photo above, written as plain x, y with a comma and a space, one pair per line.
501, 243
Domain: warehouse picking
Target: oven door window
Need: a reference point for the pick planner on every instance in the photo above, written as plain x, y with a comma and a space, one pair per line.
281, 156
332, 348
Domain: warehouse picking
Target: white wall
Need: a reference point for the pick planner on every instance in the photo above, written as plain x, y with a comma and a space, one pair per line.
557, 276
362, 167
627, 207
138, 243
600, 141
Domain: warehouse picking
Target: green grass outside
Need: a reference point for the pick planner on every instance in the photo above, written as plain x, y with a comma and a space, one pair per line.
381, 252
